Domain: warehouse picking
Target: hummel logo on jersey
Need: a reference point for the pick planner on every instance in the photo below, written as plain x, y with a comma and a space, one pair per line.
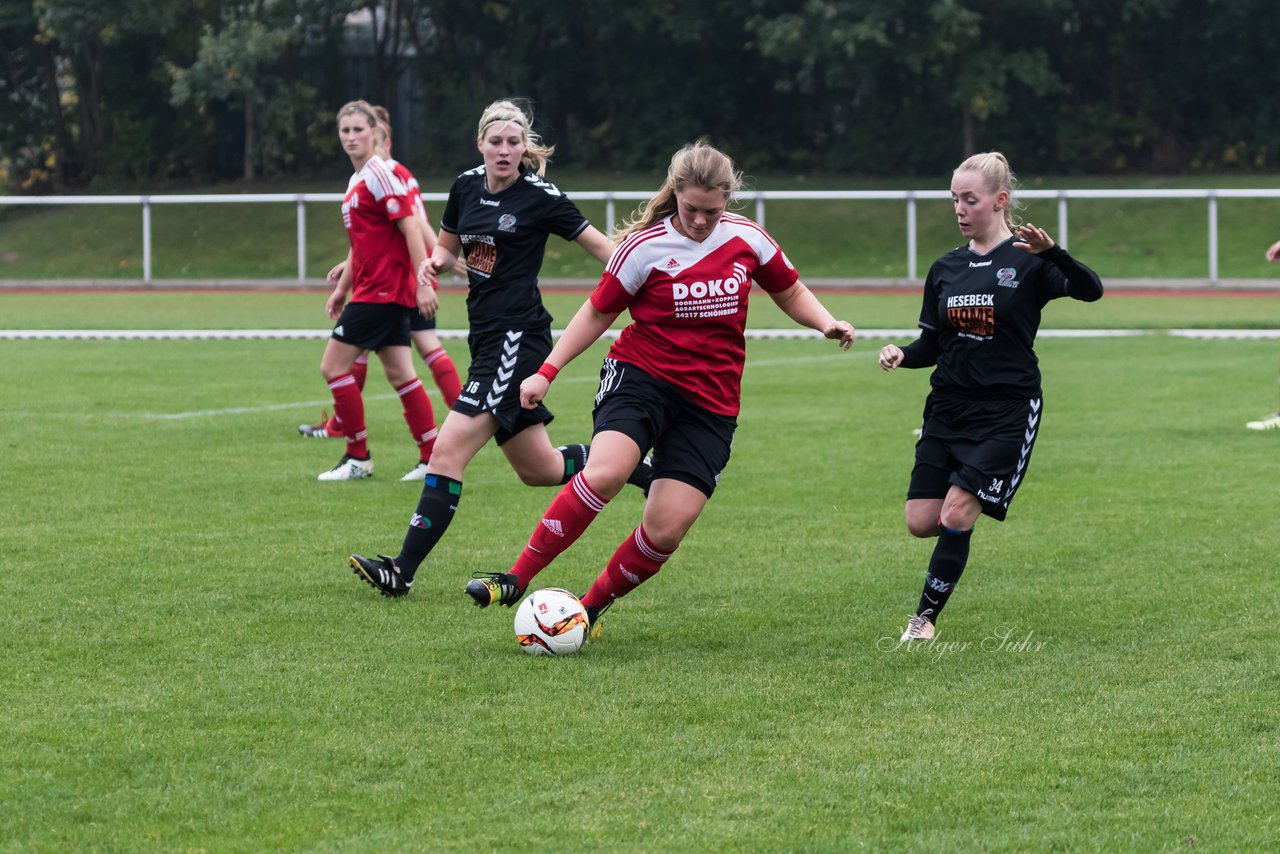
493, 203
979, 263
554, 526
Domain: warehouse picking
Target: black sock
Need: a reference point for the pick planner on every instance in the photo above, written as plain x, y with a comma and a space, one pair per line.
945, 567
641, 476
575, 460
439, 501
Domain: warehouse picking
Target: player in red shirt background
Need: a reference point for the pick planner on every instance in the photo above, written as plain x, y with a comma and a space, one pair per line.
671, 382
421, 329
387, 249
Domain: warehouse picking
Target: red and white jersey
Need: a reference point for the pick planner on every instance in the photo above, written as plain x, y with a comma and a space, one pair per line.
415, 190
688, 301
380, 266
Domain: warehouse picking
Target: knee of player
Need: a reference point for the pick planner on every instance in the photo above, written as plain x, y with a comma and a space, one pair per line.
606, 477
534, 474
923, 529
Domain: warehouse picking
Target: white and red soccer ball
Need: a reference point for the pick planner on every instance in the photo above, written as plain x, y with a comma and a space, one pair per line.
551, 621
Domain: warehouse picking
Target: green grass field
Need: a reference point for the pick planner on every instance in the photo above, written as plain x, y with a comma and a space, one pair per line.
189, 664
837, 239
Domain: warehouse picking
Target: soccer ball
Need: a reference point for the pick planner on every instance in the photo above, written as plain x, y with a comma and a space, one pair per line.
551, 621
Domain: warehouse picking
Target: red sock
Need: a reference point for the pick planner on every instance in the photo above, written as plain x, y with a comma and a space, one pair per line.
634, 563
568, 516
445, 374
419, 417
348, 408
358, 370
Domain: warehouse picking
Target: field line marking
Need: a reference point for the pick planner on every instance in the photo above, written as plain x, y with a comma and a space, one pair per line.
311, 404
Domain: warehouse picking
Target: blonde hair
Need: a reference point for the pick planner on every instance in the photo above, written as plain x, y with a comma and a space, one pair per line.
536, 155
699, 164
361, 107
382, 131
996, 175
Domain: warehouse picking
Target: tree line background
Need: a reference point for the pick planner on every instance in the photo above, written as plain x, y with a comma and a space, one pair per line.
143, 93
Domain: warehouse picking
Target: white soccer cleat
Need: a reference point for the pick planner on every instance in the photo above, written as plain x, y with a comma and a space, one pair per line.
348, 468
417, 473
918, 628
1271, 423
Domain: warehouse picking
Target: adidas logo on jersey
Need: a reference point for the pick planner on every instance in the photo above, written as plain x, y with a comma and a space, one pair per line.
672, 264
554, 526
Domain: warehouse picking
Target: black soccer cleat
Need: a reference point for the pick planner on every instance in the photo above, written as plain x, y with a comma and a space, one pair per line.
494, 588
594, 629
382, 574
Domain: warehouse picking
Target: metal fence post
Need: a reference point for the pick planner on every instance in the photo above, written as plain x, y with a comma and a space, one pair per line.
610, 212
911, 235
302, 239
1213, 237
1062, 218
146, 240
760, 208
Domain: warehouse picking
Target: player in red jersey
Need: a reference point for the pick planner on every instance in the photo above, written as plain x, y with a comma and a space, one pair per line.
671, 382
387, 248
421, 329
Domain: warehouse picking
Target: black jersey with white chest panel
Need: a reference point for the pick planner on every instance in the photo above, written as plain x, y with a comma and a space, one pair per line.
504, 237
985, 311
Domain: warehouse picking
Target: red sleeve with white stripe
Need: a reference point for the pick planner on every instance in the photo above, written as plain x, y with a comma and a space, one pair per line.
776, 273
626, 271
388, 190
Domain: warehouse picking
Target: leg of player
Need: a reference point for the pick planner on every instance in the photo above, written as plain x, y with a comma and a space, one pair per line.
437, 360
397, 362
335, 366
953, 527
669, 512
461, 438
613, 457
1271, 422
330, 426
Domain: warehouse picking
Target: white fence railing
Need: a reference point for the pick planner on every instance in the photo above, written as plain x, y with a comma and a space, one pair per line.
611, 197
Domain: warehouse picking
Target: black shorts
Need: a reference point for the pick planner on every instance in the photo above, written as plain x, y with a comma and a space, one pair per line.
373, 325
418, 323
690, 444
500, 361
982, 446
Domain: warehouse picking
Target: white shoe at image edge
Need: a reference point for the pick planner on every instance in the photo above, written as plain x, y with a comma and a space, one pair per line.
349, 469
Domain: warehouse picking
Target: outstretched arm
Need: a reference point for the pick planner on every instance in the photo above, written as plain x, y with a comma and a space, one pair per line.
595, 243
803, 307
1082, 283
584, 330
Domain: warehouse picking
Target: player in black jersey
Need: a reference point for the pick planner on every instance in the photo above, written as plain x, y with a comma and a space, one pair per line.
981, 312
499, 216
1272, 421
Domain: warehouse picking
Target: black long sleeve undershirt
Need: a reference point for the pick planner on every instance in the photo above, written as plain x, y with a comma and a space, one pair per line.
922, 352
1082, 283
